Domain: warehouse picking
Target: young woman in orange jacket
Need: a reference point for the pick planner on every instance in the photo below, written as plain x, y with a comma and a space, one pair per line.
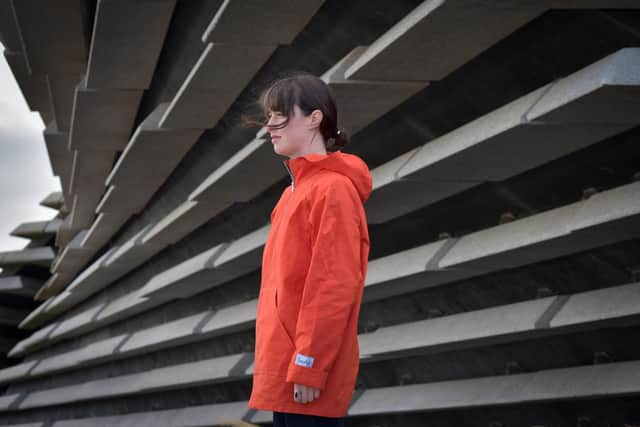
314, 262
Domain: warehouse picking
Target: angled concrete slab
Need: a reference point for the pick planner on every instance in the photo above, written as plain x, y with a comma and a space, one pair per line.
505, 323
181, 221
550, 122
90, 169
196, 270
53, 286
34, 320
611, 306
60, 157
123, 201
215, 81
37, 229
413, 48
54, 35
586, 382
246, 174
407, 270
235, 21
455, 332
613, 81
54, 200
568, 229
19, 285
9, 27
220, 264
32, 85
102, 230
42, 256
102, 119
65, 232
61, 88
363, 101
73, 257
131, 178
126, 42
193, 374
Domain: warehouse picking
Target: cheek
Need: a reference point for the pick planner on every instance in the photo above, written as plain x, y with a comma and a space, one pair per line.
294, 133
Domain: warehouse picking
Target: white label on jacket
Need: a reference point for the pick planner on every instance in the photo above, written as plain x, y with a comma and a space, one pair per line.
302, 360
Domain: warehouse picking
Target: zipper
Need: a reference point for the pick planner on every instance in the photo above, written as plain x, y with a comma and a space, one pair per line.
290, 175
286, 205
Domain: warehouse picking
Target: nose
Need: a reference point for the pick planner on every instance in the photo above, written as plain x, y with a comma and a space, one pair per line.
271, 123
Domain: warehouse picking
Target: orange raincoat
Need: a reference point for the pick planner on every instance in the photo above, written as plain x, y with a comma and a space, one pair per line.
313, 269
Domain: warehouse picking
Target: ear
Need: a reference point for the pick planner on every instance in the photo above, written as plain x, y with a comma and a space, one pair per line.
315, 118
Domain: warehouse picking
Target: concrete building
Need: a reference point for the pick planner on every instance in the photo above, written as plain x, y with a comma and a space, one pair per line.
504, 277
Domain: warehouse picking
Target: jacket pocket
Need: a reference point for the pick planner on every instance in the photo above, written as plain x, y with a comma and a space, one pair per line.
282, 325
274, 347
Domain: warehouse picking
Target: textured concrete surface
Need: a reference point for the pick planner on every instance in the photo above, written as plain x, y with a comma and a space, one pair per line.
503, 221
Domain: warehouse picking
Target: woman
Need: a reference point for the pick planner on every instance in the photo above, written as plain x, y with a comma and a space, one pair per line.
314, 262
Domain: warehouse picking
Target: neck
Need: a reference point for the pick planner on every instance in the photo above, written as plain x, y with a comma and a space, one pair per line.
315, 146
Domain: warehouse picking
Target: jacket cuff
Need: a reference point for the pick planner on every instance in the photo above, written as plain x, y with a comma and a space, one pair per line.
312, 377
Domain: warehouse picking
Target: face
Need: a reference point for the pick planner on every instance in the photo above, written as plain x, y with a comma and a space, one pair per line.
289, 140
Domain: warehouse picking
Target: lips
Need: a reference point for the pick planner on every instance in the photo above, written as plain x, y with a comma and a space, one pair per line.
275, 138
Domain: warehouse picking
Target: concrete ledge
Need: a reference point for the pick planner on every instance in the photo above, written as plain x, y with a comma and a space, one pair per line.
218, 265
210, 89
37, 229
558, 232
19, 285
10, 29
53, 35
412, 48
553, 121
551, 234
606, 380
252, 170
363, 101
508, 323
197, 373
102, 230
42, 256
35, 319
61, 88
476, 328
102, 119
65, 232
33, 86
60, 158
561, 231
52, 286
195, 271
131, 178
235, 22
90, 168
73, 257
54, 200
126, 42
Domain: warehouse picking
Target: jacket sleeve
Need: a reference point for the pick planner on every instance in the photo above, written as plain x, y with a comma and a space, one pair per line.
332, 284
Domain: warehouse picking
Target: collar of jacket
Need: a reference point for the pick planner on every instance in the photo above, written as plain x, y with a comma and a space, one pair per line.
299, 167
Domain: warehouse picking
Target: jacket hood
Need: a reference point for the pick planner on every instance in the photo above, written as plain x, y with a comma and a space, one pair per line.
347, 164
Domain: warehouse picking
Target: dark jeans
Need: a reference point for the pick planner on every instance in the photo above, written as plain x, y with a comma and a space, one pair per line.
286, 419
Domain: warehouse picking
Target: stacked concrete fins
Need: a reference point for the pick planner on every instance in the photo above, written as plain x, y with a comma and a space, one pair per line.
148, 275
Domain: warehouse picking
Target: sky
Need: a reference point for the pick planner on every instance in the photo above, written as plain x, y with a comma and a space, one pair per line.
25, 172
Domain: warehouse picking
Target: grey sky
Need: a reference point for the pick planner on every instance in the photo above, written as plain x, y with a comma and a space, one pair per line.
25, 172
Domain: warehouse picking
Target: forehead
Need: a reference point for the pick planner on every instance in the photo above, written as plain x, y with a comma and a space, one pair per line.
295, 110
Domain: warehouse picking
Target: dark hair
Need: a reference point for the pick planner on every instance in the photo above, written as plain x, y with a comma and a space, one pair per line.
310, 93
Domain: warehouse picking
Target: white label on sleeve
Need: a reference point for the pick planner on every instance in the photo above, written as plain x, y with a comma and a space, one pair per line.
302, 360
